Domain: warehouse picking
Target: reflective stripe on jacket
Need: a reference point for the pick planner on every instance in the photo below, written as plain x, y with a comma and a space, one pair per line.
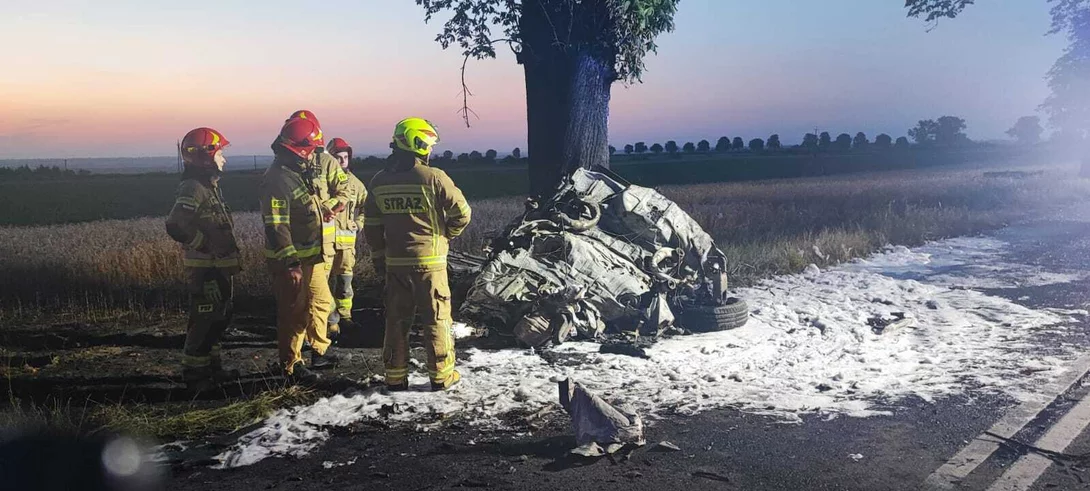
410, 214
201, 221
292, 200
350, 219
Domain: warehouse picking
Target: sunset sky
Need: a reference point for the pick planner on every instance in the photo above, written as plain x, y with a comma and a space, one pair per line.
120, 78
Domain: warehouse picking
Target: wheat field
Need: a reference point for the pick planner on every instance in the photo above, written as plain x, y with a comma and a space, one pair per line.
765, 228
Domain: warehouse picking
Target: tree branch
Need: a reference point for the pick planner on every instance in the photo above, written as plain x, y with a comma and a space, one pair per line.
465, 111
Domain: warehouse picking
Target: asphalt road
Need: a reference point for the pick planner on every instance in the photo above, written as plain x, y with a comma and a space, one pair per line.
730, 450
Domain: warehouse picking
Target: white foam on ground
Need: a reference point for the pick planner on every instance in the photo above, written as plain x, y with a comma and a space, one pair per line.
807, 349
965, 262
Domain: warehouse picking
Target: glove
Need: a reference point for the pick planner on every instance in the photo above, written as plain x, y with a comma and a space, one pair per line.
294, 277
212, 291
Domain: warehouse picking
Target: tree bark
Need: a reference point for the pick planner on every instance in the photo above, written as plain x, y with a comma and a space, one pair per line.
568, 81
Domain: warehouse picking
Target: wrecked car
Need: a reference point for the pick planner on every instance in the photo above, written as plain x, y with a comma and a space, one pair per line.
597, 257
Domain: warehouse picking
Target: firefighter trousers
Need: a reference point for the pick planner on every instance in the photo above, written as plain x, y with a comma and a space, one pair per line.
343, 265
301, 314
411, 293
211, 306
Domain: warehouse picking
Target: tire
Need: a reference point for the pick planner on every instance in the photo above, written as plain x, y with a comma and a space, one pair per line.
713, 318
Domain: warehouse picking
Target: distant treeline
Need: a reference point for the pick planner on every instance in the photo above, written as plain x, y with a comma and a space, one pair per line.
127, 196
42, 172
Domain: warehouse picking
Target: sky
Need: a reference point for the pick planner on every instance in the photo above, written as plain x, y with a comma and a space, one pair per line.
128, 78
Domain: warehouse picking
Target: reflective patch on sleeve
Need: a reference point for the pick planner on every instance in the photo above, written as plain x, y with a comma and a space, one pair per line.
204, 309
187, 203
278, 203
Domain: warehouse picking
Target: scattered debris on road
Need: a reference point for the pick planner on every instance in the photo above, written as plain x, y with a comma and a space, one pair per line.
598, 423
856, 457
665, 446
884, 325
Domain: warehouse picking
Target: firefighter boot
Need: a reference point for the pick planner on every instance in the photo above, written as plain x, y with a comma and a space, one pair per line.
327, 360
451, 381
301, 375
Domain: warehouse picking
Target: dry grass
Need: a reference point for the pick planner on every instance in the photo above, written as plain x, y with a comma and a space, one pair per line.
113, 267
161, 422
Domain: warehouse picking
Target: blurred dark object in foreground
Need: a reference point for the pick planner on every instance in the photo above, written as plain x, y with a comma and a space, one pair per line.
50, 460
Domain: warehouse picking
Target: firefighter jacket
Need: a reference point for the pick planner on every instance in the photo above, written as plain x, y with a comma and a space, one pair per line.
350, 219
411, 212
294, 195
201, 222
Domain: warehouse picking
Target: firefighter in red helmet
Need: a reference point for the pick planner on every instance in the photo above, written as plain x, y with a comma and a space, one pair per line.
300, 195
349, 223
201, 221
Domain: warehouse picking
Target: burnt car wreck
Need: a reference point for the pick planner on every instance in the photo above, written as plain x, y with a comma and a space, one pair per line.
598, 258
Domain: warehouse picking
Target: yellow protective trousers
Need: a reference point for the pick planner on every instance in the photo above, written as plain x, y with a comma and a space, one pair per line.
343, 264
411, 292
302, 314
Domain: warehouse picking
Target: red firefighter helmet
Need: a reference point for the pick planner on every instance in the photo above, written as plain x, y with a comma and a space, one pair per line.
200, 145
304, 114
301, 137
338, 145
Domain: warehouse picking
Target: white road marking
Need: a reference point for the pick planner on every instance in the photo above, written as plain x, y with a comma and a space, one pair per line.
1029, 468
982, 447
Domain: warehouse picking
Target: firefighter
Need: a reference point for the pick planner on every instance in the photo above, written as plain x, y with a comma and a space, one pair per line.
410, 214
297, 196
322, 302
201, 222
348, 221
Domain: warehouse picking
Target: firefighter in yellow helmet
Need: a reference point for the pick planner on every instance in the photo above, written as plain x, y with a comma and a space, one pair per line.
298, 196
201, 222
349, 222
410, 214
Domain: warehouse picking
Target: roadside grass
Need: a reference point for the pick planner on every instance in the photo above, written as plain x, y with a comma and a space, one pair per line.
185, 422
162, 422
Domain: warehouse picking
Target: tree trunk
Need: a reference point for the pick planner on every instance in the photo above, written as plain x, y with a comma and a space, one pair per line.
567, 94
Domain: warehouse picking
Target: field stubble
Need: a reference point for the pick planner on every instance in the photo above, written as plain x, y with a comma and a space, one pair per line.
114, 268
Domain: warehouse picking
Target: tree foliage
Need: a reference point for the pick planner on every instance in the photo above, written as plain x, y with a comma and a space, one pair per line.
722, 144
656, 148
738, 144
1027, 130
703, 146
689, 147
883, 141
810, 141
641, 147
860, 141
625, 28
933, 10
774, 142
517, 152
825, 140
671, 146
902, 142
756, 144
629, 148
843, 142
490, 154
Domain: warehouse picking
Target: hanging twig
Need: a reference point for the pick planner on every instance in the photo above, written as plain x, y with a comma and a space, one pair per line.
465, 111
